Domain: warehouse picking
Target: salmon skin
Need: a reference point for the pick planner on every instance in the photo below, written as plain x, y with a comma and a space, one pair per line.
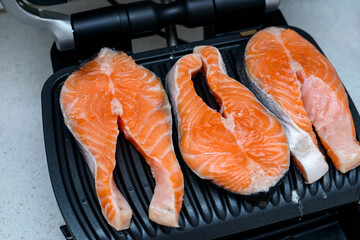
242, 148
112, 92
301, 87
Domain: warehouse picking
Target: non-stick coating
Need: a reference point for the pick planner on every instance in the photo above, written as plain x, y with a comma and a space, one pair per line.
208, 211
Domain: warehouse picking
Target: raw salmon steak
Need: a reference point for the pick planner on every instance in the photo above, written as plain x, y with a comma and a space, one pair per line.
300, 86
242, 148
112, 92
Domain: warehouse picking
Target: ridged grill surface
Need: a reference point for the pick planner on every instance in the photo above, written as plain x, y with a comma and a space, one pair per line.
208, 211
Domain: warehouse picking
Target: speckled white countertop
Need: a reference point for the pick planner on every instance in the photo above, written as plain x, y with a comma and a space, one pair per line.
28, 209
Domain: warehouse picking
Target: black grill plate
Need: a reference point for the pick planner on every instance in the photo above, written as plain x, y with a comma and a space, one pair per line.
208, 211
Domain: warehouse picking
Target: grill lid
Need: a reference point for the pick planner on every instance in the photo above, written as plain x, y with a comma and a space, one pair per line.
208, 211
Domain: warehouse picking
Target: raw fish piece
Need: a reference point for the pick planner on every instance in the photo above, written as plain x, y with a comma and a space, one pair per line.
300, 86
242, 148
112, 92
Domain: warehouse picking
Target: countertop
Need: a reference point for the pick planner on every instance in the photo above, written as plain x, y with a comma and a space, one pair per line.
28, 209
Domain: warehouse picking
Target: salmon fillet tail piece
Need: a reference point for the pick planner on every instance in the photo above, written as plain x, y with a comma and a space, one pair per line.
300, 86
243, 148
112, 92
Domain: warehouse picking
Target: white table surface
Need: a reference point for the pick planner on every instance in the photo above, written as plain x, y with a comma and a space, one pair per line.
28, 209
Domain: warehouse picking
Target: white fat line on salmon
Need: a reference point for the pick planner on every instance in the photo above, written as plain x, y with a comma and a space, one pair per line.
256, 119
107, 207
191, 104
90, 73
261, 108
152, 78
283, 85
220, 63
155, 102
93, 103
164, 121
285, 98
128, 81
146, 72
273, 121
188, 155
105, 169
65, 89
196, 106
183, 97
248, 190
106, 65
151, 131
165, 135
166, 107
102, 127
144, 76
128, 75
209, 164
271, 144
124, 60
116, 199
156, 88
327, 71
233, 186
127, 96
180, 188
103, 184
188, 75
111, 86
233, 91
101, 130
99, 144
181, 75
228, 122
165, 152
116, 107
214, 165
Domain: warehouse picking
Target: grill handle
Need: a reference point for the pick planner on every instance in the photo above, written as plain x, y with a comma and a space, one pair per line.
114, 25
57, 23
146, 18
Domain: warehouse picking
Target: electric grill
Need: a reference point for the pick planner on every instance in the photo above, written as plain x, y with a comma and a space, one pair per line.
325, 209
